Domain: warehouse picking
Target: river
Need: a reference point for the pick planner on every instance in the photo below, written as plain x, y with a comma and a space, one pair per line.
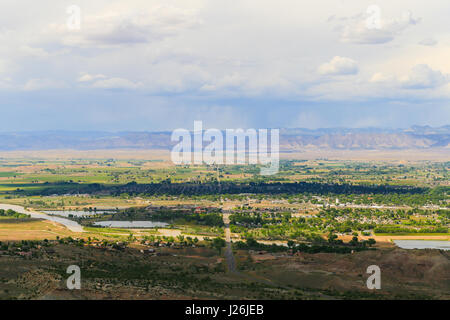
69, 224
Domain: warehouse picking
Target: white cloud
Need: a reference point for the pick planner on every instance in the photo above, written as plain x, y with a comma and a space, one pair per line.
339, 66
420, 82
3, 66
430, 42
116, 83
423, 77
100, 81
113, 28
33, 52
43, 83
380, 77
361, 30
6, 83
229, 81
86, 77
202, 49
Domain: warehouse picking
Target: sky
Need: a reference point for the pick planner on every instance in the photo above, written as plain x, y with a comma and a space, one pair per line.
153, 65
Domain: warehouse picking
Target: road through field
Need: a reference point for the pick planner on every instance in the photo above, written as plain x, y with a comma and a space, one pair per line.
228, 249
231, 262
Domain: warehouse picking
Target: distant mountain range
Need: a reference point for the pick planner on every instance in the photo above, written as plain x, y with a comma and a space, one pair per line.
416, 137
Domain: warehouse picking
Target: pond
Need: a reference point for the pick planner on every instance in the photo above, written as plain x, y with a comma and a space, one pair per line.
423, 244
131, 224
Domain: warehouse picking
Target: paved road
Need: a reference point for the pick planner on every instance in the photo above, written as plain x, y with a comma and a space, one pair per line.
231, 262
69, 224
230, 256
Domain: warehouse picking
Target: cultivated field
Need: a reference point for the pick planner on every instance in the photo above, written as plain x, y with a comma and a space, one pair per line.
308, 232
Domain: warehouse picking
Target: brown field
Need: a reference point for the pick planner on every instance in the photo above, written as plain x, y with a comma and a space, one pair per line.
31, 229
89, 154
435, 154
390, 238
36, 229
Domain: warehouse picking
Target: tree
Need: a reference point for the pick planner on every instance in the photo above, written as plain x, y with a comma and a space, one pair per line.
218, 244
371, 242
290, 244
332, 238
354, 241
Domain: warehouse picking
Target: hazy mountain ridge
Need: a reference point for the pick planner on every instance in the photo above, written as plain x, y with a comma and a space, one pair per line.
295, 139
